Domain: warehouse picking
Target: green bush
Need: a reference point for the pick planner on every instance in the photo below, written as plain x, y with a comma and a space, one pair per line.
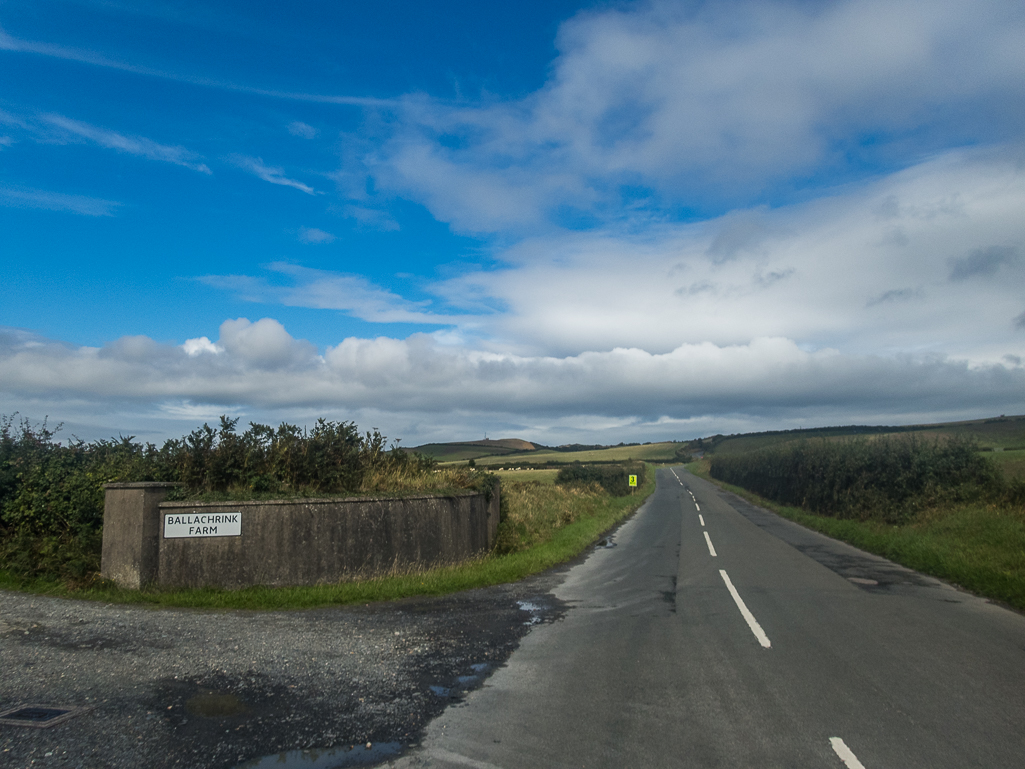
888, 477
51, 493
613, 478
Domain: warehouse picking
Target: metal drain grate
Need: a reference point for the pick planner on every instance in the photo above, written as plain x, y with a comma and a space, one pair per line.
38, 716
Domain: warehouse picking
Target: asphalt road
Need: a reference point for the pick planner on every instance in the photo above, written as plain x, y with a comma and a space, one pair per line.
716, 634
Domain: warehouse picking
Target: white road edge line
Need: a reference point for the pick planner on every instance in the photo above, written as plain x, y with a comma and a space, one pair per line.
711, 550
849, 759
702, 519
751, 621
456, 758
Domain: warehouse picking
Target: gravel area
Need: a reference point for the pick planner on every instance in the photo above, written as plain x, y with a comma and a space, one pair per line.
194, 688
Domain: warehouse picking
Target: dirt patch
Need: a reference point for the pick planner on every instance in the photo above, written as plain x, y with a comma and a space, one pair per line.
213, 689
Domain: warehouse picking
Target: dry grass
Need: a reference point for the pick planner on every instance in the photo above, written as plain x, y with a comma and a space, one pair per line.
406, 478
524, 476
537, 510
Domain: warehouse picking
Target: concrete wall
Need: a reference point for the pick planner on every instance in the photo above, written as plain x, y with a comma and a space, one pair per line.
311, 541
131, 515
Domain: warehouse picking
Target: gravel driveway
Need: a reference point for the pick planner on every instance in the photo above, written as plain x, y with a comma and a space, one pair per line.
203, 688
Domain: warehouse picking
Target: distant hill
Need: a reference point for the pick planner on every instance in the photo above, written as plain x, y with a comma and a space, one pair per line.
460, 451
999, 434
996, 433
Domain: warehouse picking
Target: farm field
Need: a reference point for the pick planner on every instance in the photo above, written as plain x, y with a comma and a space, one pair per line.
465, 450
652, 452
1011, 462
527, 475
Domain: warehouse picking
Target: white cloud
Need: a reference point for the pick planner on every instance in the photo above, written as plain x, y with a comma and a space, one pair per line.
258, 168
200, 345
23, 197
712, 104
829, 273
264, 344
325, 290
132, 145
264, 369
312, 235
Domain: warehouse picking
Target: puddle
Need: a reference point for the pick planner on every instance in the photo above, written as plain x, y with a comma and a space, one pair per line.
863, 581
214, 705
327, 758
481, 667
441, 691
533, 609
605, 543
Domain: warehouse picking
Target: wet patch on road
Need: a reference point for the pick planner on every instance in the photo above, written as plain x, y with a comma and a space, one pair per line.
868, 572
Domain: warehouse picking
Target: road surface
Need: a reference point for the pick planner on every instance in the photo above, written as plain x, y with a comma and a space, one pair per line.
715, 634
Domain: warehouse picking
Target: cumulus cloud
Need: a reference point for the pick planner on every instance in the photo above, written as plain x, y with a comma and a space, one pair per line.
822, 273
200, 345
263, 366
258, 168
710, 104
264, 344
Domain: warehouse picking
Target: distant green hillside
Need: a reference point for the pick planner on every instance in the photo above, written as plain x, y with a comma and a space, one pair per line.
463, 451
996, 434
999, 433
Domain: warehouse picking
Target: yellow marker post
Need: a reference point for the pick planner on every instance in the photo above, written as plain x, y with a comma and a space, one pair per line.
633, 483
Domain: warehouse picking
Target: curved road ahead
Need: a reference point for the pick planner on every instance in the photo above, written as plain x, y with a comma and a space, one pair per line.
716, 634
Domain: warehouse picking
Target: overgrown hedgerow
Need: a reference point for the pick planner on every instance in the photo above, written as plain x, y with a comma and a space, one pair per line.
887, 478
51, 493
613, 478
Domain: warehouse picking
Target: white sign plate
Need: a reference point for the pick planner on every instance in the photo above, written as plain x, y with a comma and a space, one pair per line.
202, 525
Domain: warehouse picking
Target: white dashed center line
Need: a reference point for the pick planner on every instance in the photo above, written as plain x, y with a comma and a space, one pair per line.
711, 550
849, 759
702, 519
751, 621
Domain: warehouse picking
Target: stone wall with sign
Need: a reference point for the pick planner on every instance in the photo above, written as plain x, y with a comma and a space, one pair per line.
286, 542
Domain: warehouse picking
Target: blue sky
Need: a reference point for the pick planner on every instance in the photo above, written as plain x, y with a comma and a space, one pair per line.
565, 222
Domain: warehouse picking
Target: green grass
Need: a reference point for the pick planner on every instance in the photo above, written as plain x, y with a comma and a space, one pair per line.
979, 547
460, 452
1012, 463
521, 476
560, 545
652, 452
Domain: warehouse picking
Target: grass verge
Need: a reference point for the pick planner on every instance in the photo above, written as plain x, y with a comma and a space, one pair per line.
980, 547
584, 517
519, 476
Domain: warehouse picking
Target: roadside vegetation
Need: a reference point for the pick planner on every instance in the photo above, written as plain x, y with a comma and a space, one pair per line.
937, 505
51, 492
51, 507
521, 476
